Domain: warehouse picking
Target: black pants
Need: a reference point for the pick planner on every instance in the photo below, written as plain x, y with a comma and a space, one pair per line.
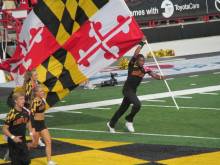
19, 153
130, 97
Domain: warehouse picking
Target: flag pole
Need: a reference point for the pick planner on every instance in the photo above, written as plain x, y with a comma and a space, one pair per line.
165, 81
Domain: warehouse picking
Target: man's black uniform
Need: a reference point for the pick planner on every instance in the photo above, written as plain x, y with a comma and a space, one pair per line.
17, 121
135, 76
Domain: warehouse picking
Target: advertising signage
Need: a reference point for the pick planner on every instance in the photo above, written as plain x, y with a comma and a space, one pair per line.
213, 6
167, 9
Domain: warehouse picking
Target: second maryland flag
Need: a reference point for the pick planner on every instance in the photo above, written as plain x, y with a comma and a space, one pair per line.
68, 41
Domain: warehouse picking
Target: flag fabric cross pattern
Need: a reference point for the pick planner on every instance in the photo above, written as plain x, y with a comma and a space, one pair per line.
68, 41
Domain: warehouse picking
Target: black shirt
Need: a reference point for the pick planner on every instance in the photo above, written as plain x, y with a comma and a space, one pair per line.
17, 121
135, 75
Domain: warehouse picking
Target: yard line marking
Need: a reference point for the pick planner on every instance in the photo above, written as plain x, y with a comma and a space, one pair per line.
118, 101
72, 112
142, 98
145, 82
168, 79
162, 101
183, 97
205, 93
193, 76
49, 116
193, 84
142, 134
102, 108
183, 107
216, 73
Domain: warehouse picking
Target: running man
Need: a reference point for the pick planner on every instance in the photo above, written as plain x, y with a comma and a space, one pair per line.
136, 72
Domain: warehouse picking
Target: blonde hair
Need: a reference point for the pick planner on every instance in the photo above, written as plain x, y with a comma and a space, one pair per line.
28, 75
36, 89
18, 94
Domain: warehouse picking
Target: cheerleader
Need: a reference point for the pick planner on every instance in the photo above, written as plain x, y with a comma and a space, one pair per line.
30, 82
38, 108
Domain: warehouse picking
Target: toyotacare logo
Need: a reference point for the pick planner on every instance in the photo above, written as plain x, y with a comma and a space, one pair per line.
168, 7
217, 5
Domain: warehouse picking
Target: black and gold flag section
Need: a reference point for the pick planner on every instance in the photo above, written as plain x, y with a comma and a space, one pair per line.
87, 152
59, 74
64, 17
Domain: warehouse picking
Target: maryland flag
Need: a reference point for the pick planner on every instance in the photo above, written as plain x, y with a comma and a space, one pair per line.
68, 41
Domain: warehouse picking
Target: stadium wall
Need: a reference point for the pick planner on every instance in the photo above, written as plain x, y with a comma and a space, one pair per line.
170, 33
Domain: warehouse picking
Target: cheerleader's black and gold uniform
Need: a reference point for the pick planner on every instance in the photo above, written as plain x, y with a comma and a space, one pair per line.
17, 121
38, 106
29, 86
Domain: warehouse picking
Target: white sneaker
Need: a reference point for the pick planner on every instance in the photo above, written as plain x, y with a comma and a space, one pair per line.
6, 156
51, 163
111, 130
41, 143
130, 127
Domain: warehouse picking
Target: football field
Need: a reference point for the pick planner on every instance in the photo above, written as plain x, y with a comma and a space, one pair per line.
195, 127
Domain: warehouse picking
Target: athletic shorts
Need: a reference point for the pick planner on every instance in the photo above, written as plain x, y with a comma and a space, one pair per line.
39, 125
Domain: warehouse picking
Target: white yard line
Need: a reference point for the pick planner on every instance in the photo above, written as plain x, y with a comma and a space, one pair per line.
183, 97
193, 84
102, 108
50, 116
216, 73
137, 133
142, 98
183, 107
118, 101
169, 79
194, 76
76, 112
145, 82
162, 101
205, 93
142, 134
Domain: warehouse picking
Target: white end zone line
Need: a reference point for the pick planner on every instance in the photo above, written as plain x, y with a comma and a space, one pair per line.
118, 101
142, 134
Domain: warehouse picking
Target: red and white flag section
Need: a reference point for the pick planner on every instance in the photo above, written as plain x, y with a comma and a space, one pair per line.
106, 37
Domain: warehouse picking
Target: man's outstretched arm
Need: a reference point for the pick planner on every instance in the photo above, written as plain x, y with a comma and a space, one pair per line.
156, 76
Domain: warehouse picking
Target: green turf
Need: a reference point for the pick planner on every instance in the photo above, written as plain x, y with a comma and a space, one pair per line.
156, 120
154, 86
188, 122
